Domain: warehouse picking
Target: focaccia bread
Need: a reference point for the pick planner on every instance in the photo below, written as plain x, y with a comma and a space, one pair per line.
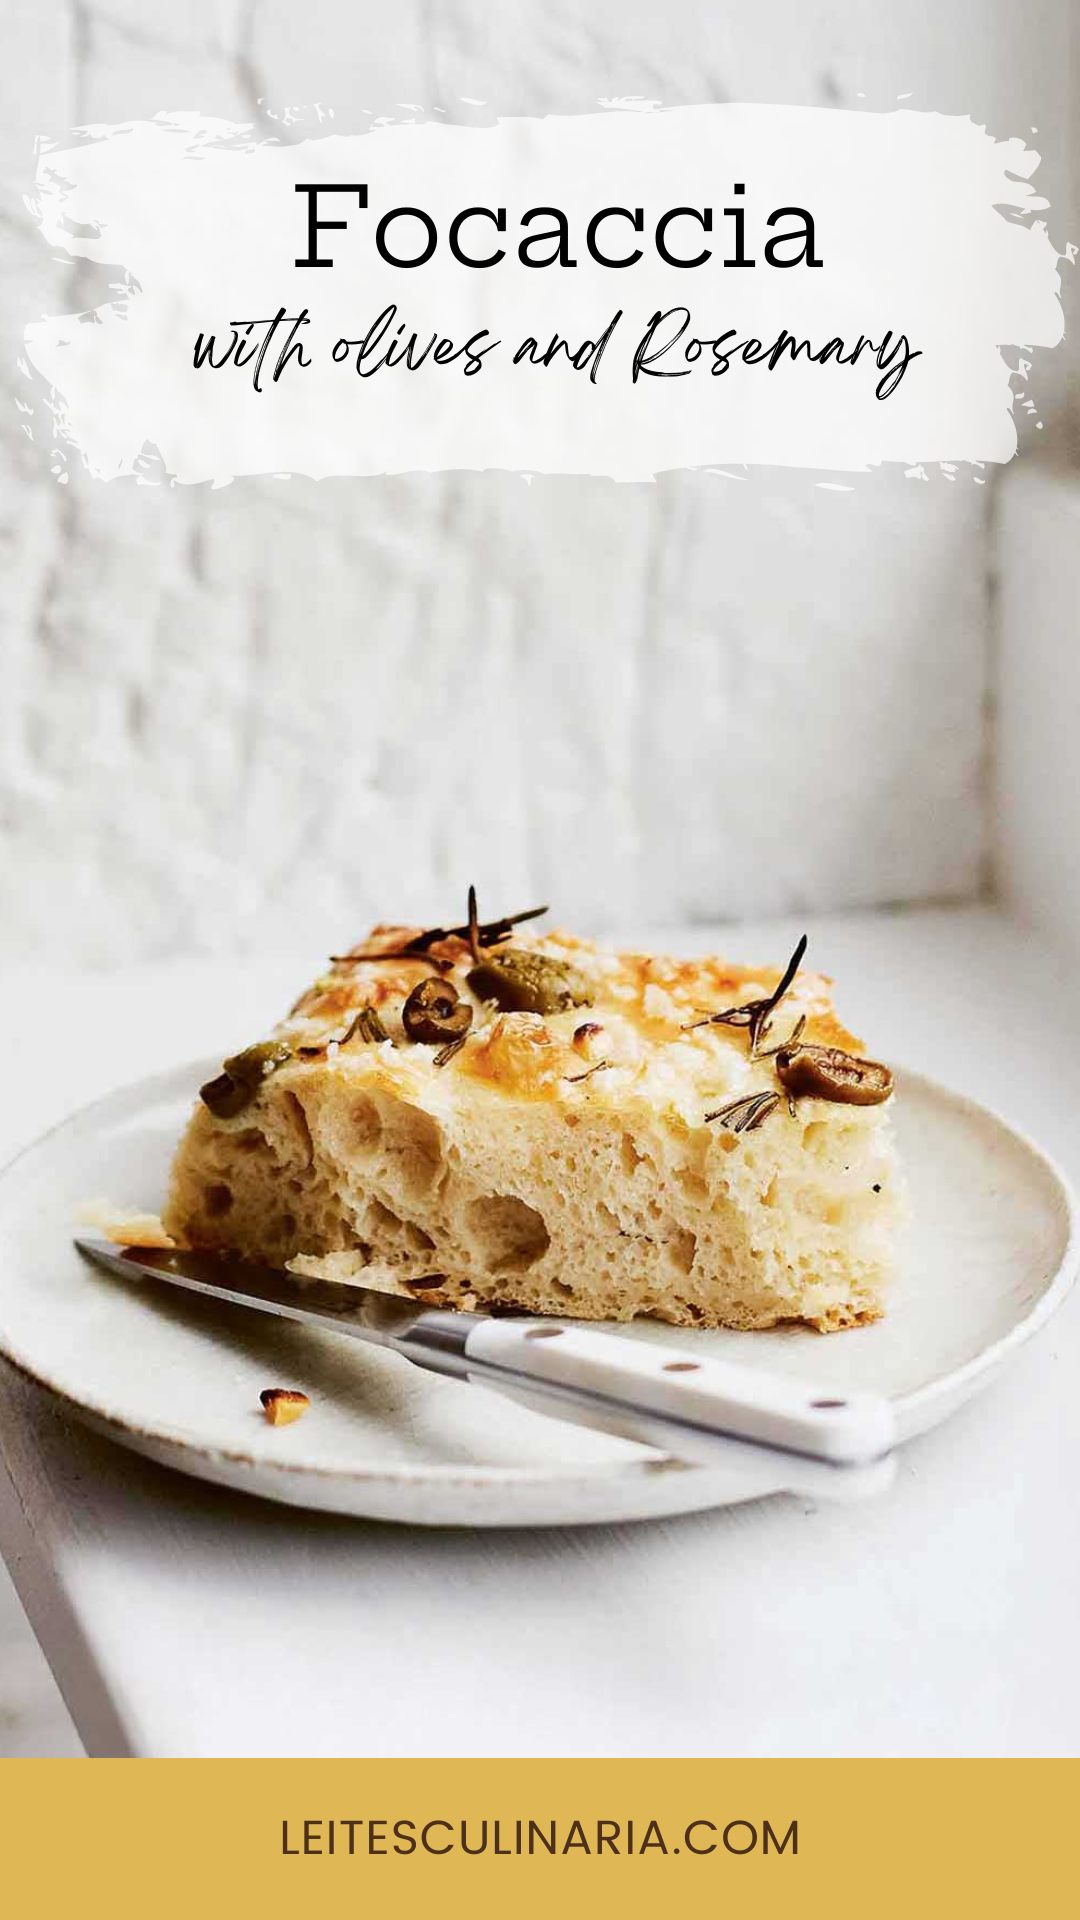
511, 1120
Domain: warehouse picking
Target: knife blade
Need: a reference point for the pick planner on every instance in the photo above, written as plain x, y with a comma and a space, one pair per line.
698, 1408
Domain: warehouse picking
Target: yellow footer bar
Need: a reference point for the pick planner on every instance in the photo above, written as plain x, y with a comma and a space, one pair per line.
156, 1839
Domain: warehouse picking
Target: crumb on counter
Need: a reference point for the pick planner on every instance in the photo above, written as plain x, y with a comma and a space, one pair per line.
283, 1405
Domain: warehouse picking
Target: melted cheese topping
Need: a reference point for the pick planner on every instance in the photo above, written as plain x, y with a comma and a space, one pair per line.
648, 1049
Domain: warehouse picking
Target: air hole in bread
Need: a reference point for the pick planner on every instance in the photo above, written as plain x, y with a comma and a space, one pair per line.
218, 1200
365, 1124
629, 1155
681, 1248
693, 1185
414, 1147
296, 1122
509, 1235
387, 1228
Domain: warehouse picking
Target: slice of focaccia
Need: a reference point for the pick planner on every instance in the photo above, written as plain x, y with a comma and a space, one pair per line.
507, 1120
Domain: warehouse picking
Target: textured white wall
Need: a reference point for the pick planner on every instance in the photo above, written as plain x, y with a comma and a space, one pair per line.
272, 711
1037, 844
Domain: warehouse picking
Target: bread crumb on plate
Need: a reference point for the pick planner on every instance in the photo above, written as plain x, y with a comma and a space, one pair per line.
283, 1405
124, 1226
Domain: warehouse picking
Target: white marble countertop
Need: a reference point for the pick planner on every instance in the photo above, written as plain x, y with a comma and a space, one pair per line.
183, 1620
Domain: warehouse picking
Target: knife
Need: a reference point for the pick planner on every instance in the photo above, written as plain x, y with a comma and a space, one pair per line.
696, 1407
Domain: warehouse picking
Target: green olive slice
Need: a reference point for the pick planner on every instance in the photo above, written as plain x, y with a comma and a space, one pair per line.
254, 1063
434, 1013
241, 1076
828, 1073
525, 982
225, 1096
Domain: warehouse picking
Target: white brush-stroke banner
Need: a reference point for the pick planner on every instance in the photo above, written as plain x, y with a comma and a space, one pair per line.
924, 225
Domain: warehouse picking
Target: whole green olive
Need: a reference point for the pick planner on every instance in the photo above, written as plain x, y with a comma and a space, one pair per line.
520, 981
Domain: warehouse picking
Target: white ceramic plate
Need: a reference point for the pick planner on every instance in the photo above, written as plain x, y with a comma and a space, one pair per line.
989, 1254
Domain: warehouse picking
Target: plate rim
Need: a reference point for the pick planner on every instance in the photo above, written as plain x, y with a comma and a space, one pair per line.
954, 1386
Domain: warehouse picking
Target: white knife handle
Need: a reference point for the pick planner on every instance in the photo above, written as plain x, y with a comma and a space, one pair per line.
677, 1400
722, 1397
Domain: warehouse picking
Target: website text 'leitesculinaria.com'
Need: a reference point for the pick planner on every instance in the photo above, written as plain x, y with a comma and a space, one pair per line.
509, 1838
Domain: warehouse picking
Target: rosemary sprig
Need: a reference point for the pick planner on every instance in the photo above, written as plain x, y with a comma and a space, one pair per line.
447, 1053
366, 1026
487, 934
755, 1015
473, 935
746, 1114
